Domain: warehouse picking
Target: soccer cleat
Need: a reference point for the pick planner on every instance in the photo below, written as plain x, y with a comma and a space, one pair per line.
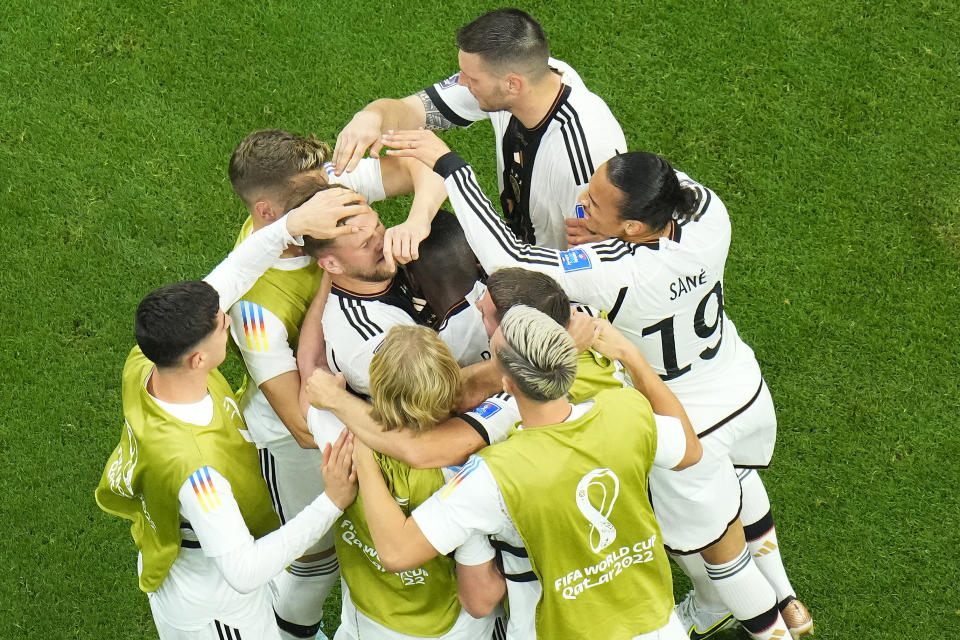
798, 619
701, 623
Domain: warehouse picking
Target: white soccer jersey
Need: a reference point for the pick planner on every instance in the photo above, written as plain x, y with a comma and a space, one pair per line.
463, 331
560, 154
355, 325
471, 502
366, 179
665, 296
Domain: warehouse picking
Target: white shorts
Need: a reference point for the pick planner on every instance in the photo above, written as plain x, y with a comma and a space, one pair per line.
294, 480
747, 434
694, 506
354, 625
195, 602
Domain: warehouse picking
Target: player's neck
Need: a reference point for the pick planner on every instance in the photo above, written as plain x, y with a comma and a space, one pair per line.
178, 386
541, 414
362, 287
535, 106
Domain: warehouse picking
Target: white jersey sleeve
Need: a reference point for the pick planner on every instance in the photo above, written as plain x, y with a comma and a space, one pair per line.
240, 270
476, 550
470, 503
366, 179
588, 273
455, 102
207, 502
671, 442
262, 339
493, 418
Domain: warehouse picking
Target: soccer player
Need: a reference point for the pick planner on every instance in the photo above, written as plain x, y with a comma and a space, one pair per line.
273, 171
185, 471
596, 560
551, 132
661, 278
414, 383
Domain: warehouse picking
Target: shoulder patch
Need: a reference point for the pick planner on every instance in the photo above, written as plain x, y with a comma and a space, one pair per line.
469, 467
575, 260
254, 328
486, 409
451, 81
204, 490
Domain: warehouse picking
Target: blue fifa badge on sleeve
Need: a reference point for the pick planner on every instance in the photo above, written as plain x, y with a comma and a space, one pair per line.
486, 409
575, 260
451, 81
579, 212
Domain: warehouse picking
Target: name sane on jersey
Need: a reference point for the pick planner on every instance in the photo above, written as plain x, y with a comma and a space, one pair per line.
683, 284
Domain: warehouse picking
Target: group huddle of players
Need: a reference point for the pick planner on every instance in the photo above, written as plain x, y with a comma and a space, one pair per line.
480, 426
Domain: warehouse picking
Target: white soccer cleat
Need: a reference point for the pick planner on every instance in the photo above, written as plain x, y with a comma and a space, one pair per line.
699, 622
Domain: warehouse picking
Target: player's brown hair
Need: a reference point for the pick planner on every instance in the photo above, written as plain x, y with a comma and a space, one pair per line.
267, 158
509, 40
513, 285
414, 380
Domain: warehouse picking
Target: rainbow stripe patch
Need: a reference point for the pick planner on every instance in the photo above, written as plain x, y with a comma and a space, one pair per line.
469, 467
253, 326
203, 488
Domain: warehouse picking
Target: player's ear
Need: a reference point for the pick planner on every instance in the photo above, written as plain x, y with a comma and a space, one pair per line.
508, 385
263, 210
195, 360
330, 264
514, 83
634, 228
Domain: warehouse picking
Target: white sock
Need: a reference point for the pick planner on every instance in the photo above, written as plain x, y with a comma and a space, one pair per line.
761, 534
300, 593
749, 597
706, 593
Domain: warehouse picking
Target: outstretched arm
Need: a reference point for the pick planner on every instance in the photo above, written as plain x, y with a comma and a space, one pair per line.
364, 130
451, 442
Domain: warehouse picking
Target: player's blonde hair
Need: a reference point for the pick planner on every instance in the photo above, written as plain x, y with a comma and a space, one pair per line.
539, 355
414, 380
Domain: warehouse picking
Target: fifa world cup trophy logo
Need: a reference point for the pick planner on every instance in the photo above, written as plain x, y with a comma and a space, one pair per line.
608, 487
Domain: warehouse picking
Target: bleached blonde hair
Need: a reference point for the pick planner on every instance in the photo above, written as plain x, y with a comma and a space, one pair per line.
414, 380
539, 355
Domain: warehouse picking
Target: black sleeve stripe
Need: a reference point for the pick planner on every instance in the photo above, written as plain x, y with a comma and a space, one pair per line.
502, 546
479, 428
504, 237
445, 109
526, 576
583, 136
502, 395
347, 308
574, 165
623, 253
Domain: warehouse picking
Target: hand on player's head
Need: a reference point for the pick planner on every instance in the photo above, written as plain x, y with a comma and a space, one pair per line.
421, 144
321, 215
339, 476
362, 133
322, 388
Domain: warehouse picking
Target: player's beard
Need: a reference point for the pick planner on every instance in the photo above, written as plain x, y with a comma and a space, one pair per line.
379, 273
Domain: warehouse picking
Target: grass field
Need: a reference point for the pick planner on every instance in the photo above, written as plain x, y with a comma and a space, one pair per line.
829, 129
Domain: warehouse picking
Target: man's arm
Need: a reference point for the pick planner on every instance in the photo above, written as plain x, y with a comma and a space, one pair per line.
245, 563
480, 587
283, 394
613, 344
398, 539
364, 130
450, 442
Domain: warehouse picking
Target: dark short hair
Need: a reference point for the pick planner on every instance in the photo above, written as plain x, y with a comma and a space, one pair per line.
514, 285
267, 158
445, 255
508, 39
651, 191
174, 318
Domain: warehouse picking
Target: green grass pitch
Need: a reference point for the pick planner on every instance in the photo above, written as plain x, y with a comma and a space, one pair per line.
830, 129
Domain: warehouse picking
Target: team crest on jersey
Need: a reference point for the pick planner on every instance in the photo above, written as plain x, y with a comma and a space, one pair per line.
486, 409
606, 484
575, 260
451, 81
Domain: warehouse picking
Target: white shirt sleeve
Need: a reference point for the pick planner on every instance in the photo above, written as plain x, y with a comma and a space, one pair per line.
671, 442
240, 270
476, 550
207, 501
324, 426
493, 418
262, 339
468, 504
455, 102
590, 273
366, 179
